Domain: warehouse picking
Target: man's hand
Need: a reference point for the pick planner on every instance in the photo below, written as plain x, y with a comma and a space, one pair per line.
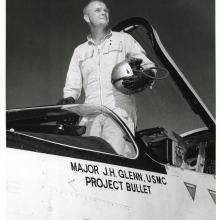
65, 101
66, 120
135, 63
137, 81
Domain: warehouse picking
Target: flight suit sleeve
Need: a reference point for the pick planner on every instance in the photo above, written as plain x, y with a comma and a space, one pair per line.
73, 83
134, 49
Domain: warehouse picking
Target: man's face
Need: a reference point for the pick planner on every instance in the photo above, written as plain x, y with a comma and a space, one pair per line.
97, 14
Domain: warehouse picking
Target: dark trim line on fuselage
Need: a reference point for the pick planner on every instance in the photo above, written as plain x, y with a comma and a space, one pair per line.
142, 162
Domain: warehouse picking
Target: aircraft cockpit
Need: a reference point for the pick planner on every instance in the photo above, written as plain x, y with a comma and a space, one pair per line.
194, 150
174, 105
67, 126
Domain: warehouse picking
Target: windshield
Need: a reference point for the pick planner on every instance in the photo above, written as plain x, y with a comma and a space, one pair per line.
71, 125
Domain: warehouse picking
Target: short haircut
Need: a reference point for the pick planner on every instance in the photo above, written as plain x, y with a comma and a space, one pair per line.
86, 6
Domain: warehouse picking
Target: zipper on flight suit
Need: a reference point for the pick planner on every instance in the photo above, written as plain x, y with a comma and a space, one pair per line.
100, 78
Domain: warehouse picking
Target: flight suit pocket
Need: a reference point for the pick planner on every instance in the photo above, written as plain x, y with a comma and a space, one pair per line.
113, 53
113, 47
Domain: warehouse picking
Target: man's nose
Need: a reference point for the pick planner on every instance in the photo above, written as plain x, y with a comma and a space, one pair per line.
103, 12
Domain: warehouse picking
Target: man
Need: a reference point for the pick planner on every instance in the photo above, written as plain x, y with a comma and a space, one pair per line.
91, 66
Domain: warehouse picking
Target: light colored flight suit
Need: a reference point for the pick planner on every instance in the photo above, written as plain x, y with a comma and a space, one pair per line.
90, 67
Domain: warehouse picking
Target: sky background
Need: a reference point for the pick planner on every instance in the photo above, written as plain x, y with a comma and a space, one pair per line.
41, 36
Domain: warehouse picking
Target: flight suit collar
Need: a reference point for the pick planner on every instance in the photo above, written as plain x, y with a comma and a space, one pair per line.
91, 41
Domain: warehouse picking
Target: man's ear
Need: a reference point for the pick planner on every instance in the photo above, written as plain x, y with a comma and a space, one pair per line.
86, 18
